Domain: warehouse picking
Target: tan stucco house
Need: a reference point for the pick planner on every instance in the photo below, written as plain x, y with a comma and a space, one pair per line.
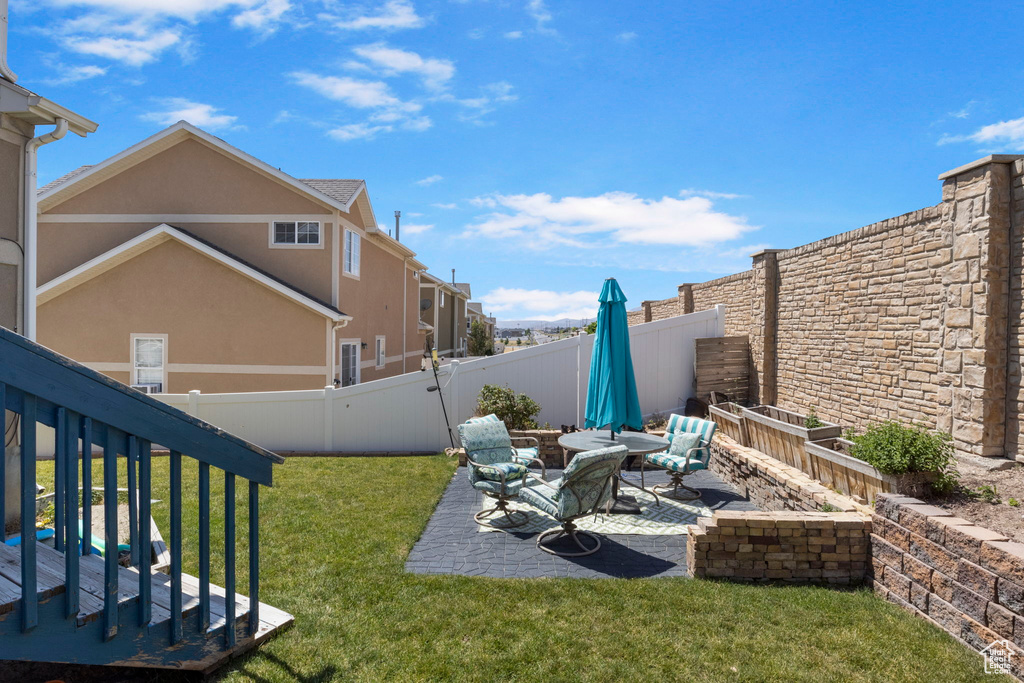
443, 313
184, 263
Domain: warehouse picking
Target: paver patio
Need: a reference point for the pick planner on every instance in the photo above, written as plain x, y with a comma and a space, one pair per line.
453, 544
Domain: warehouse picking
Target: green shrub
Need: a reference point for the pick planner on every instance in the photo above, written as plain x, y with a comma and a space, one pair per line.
893, 448
1013, 502
812, 421
989, 494
515, 410
657, 421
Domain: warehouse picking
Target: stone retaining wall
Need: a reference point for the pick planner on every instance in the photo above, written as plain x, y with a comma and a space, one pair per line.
774, 485
966, 579
798, 547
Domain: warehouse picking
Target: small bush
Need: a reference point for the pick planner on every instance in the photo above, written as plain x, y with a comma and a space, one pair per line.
893, 448
1013, 502
515, 410
657, 421
989, 494
812, 421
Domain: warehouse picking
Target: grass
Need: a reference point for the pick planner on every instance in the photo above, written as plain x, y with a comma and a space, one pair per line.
335, 535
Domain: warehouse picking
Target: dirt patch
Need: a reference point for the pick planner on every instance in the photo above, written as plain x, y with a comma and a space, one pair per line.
1000, 517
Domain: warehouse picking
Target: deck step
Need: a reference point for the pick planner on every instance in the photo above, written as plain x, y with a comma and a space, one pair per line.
50, 579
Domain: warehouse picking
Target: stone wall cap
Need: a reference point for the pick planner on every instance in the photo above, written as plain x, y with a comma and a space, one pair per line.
766, 251
990, 159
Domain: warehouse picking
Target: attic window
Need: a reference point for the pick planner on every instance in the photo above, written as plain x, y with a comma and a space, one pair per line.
296, 233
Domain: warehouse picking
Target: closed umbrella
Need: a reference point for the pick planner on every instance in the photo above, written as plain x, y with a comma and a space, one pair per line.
612, 400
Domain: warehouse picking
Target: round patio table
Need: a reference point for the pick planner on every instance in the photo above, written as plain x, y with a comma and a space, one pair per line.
637, 443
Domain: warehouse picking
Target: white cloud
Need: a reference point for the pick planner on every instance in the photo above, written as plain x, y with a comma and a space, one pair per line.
264, 17
541, 15
1009, 133
491, 95
202, 115
357, 131
416, 228
540, 222
963, 112
435, 72
392, 15
514, 35
711, 194
429, 180
626, 37
74, 74
476, 34
445, 206
130, 51
353, 92
540, 304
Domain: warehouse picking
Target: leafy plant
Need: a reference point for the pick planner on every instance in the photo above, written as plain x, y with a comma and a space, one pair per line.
479, 343
893, 448
591, 327
989, 493
812, 421
657, 421
1013, 502
515, 410
828, 507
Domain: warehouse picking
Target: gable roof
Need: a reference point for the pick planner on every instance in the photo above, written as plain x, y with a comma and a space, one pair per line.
464, 286
340, 189
162, 233
85, 177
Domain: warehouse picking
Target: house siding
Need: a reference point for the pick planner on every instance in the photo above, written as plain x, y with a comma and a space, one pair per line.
211, 314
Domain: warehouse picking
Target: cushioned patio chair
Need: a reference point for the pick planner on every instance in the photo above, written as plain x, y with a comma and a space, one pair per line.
688, 452
495, 468
583, 489
526, 452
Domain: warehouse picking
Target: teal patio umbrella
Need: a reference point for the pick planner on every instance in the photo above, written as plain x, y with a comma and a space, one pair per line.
612, 400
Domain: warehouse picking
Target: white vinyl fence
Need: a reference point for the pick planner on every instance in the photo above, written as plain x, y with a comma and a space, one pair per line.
399, 414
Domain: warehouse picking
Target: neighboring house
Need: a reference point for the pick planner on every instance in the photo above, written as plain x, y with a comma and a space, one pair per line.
444, 309
476, 313
184, 263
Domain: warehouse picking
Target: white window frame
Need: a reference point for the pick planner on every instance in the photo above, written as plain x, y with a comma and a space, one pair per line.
134, 370
353, 270
295, 245
358, 356
380, 351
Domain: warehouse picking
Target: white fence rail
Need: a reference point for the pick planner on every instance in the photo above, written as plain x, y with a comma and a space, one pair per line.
399, 414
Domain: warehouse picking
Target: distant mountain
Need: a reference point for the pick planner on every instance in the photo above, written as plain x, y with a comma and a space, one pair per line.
542, 324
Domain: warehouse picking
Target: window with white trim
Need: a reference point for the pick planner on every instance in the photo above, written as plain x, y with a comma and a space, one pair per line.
149, 359
352, 247
297, 233
349, 363
380, 352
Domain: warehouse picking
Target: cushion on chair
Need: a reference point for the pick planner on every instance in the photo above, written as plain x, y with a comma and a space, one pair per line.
527, 453
486, 418
512, 470
690, 425
512, 487
683, 442
676, 463
486, 442
541, 497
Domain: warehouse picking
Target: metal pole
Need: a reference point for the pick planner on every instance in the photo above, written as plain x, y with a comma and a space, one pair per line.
444, 410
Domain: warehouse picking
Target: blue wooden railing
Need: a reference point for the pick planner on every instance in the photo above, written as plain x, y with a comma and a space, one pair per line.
88, 410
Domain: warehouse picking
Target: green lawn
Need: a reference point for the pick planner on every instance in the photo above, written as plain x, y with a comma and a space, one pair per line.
335, 535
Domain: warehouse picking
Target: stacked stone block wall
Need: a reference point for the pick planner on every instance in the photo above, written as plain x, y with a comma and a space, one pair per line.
917, 318
797, 547
965, 578
735, 292
859, 322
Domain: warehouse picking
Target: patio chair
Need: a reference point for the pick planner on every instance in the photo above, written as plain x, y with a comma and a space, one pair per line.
584, 487
688, 452
495, 468
527, 452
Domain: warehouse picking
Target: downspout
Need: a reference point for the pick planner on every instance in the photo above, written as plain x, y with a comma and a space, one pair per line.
405, 305
5, 71
31, 221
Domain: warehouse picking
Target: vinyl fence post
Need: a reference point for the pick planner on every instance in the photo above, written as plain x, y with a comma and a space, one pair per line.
193, 403
328, 419
720, 320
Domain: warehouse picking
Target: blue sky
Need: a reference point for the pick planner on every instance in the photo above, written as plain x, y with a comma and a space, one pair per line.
540, 146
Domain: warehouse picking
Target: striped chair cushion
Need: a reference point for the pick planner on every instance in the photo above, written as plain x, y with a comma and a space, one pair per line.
486, 418
677, 463
527, 453
692, 425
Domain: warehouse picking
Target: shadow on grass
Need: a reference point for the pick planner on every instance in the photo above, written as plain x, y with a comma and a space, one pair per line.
327, 673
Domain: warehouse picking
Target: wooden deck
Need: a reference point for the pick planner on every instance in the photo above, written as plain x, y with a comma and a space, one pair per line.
51, 589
